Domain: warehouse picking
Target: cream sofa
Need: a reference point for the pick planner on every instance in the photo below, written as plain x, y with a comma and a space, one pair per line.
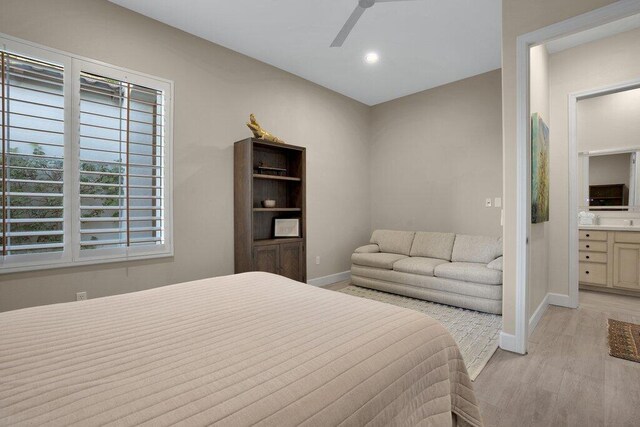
455, 269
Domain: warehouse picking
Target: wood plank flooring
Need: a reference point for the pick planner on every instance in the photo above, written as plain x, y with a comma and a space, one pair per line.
568, 377
337, 286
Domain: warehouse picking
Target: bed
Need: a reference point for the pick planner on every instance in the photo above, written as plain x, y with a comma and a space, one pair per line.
247, 349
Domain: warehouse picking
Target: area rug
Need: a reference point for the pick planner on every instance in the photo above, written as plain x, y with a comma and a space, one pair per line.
624, 340
476, 333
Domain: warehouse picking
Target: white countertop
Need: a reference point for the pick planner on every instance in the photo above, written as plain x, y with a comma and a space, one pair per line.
610, 227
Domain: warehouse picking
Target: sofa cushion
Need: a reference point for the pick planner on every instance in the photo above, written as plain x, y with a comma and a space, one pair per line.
391, 241
417, 265
433, 245
379, 260
480, 249
368, 249
496, 264
469, 272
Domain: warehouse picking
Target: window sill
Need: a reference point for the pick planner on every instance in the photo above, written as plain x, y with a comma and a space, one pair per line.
8, 268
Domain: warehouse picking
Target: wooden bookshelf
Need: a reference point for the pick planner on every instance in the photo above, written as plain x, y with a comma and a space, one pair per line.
265, 170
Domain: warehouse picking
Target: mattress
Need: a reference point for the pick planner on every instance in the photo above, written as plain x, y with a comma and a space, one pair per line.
247, 349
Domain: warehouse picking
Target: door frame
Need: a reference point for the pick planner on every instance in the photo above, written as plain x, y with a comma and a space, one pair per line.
524, 42
574, 189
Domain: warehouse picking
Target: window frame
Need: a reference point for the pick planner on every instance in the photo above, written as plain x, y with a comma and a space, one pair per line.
71, 254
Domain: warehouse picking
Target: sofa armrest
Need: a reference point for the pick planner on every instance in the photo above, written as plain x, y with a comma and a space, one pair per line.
496, 264
368, 249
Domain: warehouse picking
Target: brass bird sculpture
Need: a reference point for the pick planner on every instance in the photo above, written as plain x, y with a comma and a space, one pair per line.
260, 133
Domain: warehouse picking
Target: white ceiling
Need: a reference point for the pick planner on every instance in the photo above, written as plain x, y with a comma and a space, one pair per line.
607, 30
422, 43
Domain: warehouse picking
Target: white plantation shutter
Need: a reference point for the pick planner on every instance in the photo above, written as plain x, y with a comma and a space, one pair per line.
121, 164
33, 145
85, 161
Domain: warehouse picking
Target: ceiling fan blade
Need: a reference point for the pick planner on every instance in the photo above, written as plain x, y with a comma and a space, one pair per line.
348, 26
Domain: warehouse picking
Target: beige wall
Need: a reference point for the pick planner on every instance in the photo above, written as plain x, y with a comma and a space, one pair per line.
215, 90
590, 66
539, 233
610, 169
610, 121
435, 157
521, 17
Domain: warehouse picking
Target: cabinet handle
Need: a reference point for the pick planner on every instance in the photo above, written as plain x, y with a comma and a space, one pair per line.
587, 246
587, 272
587, 235
587, 257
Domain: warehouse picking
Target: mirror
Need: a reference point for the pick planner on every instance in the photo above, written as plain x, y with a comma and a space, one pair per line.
608, 137
610, 181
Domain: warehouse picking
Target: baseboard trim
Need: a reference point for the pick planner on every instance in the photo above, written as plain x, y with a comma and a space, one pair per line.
560, 300
614, 291
537, 315
508, 342
330, 279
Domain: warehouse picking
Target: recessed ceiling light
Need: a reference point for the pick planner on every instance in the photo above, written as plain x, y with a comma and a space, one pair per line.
371, 58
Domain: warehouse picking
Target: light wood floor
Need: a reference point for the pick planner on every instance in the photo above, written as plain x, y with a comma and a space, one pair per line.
568, 377
337, 286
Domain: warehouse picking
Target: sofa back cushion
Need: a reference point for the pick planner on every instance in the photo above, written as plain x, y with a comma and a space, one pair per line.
480, 249
433, 245
395, 242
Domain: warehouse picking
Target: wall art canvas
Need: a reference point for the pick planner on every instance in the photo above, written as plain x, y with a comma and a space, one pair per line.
539, 170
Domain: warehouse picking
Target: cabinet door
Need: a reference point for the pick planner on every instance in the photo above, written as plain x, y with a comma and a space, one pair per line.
626, 265
266, 258
291, 261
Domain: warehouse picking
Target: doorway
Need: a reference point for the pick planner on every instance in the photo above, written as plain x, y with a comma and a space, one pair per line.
606, 186
525, 315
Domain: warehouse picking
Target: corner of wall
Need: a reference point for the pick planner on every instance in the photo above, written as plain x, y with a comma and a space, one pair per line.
538, 313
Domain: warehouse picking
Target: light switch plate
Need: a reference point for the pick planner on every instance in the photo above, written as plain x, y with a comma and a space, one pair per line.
498, 202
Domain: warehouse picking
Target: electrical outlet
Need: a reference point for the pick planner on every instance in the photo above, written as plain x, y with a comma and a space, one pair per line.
487, 202
81, 296
317, 259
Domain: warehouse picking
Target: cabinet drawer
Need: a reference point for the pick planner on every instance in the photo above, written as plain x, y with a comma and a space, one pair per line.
593, 273
588, 245
627, 237
593, 257
593, 235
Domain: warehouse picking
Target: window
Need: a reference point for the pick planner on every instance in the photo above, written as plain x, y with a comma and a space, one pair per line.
120, 164
32, 155
85, 172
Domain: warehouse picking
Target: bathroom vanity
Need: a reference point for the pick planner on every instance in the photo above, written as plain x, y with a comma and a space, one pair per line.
610, 258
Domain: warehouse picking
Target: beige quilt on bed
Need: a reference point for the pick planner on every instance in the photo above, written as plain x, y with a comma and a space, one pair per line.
248, 349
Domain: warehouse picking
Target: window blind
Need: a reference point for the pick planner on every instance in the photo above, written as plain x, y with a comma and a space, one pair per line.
85, 161
32, 164
121, 164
